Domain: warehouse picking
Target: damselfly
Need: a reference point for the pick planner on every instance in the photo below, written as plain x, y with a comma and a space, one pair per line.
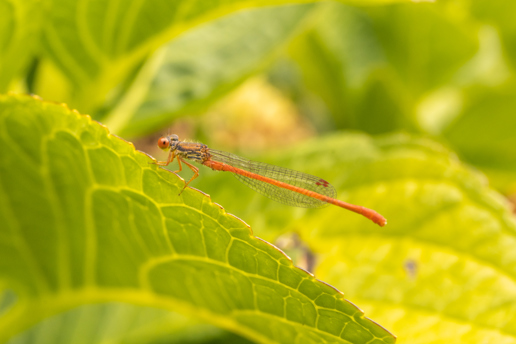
280, 184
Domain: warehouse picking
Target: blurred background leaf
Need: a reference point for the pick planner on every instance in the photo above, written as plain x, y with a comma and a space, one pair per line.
98, 45
204, 64
432, 69
377, 62
123, 323
19, 26
485, 132
498, 15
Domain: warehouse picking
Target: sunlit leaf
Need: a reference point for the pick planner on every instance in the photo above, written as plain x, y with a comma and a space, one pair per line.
87, 219
441, 271
445, 263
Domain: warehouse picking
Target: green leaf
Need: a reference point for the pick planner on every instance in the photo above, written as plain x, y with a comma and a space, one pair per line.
379, 61
87, 219
446, 263
483, 132
443, 270
198, 67
499, 14
446, 76
98, 44
19, 27
426, 44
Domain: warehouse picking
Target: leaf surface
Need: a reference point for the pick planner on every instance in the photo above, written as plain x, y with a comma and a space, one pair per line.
88, 219
446, 261
442, 270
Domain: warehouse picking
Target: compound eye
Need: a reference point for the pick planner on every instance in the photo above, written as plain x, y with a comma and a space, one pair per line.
163, 143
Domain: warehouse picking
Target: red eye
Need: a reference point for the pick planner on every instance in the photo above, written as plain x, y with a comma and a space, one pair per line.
163, 143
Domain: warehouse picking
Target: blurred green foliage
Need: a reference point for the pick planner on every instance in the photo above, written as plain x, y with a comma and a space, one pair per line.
435, 69
441, 72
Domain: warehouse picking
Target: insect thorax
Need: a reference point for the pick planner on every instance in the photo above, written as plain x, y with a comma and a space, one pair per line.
193, 151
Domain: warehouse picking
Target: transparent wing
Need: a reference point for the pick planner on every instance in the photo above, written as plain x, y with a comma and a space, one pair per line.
295, 178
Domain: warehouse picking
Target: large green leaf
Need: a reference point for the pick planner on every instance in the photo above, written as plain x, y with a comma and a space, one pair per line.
443, 269
203, 64
86, 218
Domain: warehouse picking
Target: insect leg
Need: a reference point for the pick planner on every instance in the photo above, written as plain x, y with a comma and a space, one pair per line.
195, 171
171, 157
180, 166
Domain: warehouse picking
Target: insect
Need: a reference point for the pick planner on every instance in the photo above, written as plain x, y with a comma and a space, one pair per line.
280, 184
